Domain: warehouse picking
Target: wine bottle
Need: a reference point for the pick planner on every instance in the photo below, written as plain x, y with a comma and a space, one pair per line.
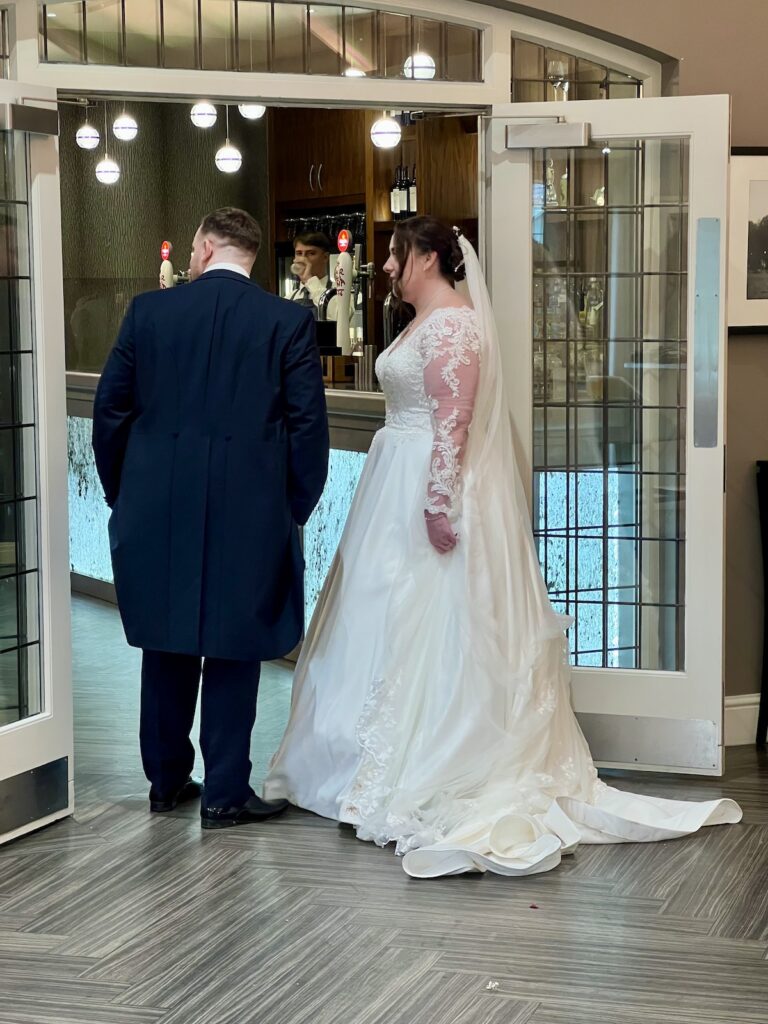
394, 195
412, 198
404, 209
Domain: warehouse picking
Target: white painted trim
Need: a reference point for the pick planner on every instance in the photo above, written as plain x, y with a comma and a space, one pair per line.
741, 719
498, 26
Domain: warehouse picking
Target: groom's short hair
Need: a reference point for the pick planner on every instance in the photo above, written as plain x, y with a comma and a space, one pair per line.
237, 227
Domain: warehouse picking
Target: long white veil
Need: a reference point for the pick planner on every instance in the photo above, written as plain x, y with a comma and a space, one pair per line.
499, 528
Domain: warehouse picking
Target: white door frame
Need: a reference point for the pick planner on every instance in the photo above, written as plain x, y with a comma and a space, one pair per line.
684, 708
39, 740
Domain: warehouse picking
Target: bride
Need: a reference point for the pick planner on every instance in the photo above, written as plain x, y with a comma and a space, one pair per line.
431, 704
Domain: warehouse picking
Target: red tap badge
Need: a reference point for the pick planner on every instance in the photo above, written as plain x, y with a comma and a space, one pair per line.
165, 250
344, 240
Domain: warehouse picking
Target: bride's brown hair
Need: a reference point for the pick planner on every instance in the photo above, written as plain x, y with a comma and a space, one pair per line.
425, 235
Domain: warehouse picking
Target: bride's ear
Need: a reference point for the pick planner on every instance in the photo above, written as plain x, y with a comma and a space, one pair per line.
430, 260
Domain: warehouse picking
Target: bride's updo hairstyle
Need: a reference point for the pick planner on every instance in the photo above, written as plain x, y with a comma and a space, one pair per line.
425, 235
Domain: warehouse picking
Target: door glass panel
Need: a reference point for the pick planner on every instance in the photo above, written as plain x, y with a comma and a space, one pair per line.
254, 34
290, 38
64, 39
20, 691
610, 241
142, 34
180, 34
103, 36
217, 33
326, 40
360, 41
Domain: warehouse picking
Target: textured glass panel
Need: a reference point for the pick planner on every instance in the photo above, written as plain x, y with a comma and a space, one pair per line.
64, 35
254, 33
290, 39
217, 28
326, 40
360, 40
103, 32
323, 531
394, 43
142, 33
180, 40
88, 512
462, 53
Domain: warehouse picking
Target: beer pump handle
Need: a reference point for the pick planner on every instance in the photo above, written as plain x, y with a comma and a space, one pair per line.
343, 279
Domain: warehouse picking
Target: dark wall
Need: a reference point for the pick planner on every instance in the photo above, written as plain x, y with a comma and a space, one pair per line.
168, 181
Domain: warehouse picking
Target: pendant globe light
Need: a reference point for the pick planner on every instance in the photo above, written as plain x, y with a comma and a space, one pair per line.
107, 169
87, 137
203, 115
125, 128
419, 66
251, 111
385, 133
228, 158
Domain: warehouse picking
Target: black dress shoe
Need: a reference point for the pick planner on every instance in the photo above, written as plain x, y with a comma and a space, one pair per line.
191, 790
253, 810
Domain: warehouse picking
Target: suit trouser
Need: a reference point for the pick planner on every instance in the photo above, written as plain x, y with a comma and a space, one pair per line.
169, 690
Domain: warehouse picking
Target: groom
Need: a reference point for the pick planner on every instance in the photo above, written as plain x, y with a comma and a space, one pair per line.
211, 442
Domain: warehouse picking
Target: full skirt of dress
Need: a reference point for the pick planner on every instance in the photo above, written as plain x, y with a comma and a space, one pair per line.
408, 724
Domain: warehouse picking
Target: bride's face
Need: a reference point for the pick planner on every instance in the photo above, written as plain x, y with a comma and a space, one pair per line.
407, 279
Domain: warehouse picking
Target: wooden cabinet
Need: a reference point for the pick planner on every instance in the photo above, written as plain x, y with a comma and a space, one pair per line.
317, 155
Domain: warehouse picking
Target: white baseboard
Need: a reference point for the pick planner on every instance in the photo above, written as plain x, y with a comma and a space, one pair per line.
741, 719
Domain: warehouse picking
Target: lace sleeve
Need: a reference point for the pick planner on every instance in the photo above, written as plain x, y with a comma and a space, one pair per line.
450, 350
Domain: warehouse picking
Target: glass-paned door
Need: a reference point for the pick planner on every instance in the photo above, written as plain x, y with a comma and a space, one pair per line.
35, 687
614, 349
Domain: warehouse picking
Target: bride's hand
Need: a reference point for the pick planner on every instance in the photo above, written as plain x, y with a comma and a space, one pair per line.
440, 533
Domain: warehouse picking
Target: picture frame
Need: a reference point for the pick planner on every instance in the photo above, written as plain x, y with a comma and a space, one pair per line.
748, 242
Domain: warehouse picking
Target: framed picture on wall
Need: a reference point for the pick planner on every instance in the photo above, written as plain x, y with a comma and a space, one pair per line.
748, 242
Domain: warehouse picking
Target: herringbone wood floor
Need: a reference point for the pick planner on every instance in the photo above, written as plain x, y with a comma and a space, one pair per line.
119, 917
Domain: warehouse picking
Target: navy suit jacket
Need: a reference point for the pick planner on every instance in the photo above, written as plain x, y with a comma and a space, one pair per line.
211, 440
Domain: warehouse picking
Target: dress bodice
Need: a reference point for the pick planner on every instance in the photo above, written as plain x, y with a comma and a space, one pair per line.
429, 377
400, 371
400, 368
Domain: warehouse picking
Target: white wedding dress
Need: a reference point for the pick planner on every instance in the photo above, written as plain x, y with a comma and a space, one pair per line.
431, 701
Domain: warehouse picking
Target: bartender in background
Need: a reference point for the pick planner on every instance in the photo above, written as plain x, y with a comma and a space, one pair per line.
311, 257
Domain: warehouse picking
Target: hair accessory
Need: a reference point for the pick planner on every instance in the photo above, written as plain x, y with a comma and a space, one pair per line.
459, 265
458, 232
